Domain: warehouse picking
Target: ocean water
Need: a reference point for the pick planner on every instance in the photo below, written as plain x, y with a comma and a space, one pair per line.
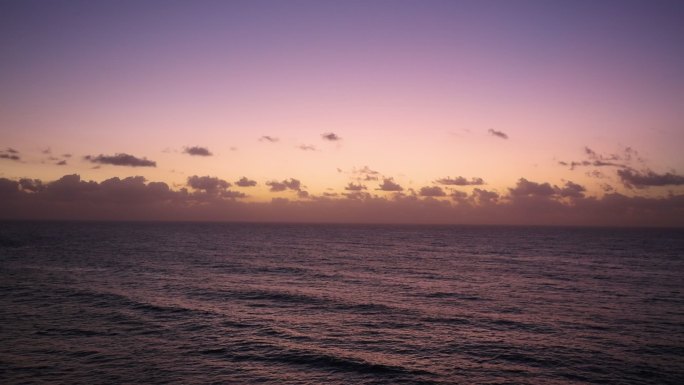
187, 303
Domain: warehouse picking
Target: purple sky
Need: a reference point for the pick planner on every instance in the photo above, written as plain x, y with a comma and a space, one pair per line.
556, 94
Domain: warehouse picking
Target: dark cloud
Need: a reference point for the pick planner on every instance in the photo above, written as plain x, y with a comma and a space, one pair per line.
232, 194
354, 187
306, 147
527, 188
66, 155
32, 185
388, 184
303, 194
291, 184
46, 151
197, 151
134, 198
61, 163
499, 134
432, 191
207, 183
10, 154
631, 178
460, 181
121, 159
244, 182
571, 190
484, 197
331, 136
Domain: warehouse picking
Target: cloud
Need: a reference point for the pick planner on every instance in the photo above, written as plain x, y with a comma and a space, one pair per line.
460, 181
631, 178
499, 134
207, 183
434, 191
306, 147
197, 151
571, 190
354, 187
527, 188
365, 174
121, 159
291, 184
61, 163
388, 184
267, 138
595, 159
244, 182
10, 154
134, 198
331, 136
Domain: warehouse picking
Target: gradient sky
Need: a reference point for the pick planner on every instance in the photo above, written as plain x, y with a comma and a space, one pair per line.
415, 90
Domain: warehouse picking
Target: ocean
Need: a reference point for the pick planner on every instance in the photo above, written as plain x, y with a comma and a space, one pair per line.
213, 303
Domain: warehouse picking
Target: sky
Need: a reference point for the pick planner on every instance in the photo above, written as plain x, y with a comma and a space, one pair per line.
515, 112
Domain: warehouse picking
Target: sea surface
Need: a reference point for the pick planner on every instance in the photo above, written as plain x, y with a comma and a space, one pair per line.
194, 303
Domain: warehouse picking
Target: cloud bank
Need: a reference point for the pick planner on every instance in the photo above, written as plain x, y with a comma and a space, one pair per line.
209, 199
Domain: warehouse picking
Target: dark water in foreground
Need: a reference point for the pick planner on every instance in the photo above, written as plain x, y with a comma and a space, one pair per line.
96, 303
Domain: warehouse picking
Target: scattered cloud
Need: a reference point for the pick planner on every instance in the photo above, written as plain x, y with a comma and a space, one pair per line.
10, 154
207, 183
121, 159
331, 136
287, 184
354, 187
433, 191
61, 163
244, 182
388, 184
197, 151
648, 178
499, 134
527, 188
460, 181
267, 138
306, 147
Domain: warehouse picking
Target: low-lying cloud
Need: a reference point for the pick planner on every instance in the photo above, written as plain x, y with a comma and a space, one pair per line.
287, 184
208, 198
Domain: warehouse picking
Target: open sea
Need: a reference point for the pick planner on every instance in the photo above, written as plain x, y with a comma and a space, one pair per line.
203, 303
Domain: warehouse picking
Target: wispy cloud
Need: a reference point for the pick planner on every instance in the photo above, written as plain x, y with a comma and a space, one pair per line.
460, 181
121, 159
267, 138
331, 136
354, 187
499, 134
306, 147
